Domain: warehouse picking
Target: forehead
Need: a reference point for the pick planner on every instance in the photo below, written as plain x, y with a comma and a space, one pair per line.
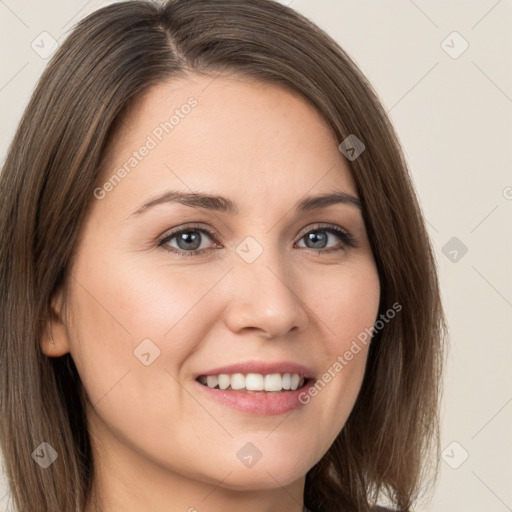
227, 135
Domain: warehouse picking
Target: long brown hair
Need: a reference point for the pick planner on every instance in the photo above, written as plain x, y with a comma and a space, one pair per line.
390, 442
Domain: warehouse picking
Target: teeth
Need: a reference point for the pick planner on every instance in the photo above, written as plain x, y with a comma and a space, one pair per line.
238, 381
295, 381
224, 381
212, 381
273, 382
254, 381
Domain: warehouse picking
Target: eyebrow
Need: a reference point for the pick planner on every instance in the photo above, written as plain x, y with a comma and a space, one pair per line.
225, 205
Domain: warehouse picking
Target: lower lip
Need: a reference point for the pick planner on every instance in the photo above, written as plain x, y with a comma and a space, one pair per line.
257, 403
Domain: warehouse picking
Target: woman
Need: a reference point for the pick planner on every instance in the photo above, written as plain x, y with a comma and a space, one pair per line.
218, 288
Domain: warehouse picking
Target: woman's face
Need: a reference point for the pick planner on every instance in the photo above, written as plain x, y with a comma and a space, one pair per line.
254, 285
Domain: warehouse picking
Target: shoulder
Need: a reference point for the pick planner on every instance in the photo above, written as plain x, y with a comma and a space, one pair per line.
375, 508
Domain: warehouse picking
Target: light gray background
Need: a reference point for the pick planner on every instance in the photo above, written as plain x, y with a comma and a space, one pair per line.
454, 119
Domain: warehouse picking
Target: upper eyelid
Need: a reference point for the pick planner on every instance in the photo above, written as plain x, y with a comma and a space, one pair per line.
188, 227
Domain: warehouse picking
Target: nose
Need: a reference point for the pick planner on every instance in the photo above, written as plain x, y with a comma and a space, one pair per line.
263, 298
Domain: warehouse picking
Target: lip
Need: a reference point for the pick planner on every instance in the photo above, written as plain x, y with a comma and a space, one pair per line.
258, 403
263, 367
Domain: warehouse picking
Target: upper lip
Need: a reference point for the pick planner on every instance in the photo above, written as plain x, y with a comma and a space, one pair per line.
263, 367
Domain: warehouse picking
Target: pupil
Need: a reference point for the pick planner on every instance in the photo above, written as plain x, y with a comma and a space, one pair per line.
314, 238
189, 238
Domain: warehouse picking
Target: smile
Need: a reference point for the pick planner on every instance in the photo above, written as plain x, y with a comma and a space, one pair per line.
254, 382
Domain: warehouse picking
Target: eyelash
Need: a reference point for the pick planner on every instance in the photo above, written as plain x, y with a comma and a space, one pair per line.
347, 239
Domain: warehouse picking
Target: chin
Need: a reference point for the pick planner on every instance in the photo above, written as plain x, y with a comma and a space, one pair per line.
257, 478
252, 469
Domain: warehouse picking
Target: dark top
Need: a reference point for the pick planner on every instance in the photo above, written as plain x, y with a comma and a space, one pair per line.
374, 509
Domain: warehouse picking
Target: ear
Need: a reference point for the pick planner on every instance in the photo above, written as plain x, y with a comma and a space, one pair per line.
56, 327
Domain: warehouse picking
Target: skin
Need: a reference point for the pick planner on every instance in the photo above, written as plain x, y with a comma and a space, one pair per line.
160, 445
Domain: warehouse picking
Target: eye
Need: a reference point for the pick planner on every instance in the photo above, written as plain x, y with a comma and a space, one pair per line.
318, 238
188, 240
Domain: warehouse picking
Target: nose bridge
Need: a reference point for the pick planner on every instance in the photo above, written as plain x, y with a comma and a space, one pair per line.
261, 259
264, 295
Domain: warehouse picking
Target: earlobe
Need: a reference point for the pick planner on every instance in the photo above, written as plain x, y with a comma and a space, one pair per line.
48, 345
55, 340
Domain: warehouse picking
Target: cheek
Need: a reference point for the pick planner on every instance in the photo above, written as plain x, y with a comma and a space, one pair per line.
117, 326
346, 303
347, 308
124, 315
